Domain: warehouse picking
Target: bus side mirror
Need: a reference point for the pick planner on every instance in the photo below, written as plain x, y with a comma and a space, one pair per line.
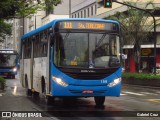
51, 34
114, 62
52, 38
50, 31
124, 57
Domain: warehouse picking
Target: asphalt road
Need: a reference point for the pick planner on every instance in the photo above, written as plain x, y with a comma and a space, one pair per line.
134, 100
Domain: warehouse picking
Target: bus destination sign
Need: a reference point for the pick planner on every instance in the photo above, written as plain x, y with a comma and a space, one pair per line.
86, 25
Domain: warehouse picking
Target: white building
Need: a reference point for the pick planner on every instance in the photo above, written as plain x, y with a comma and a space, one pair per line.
85, 9
11, 41
25, 25
42, 17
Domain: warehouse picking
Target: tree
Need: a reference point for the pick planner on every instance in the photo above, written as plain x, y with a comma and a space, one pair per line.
5, 29
20, 8
23, 8
136, 26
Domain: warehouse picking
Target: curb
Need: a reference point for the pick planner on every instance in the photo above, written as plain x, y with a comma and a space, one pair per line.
150, 87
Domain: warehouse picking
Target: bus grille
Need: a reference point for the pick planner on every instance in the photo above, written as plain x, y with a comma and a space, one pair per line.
87, 76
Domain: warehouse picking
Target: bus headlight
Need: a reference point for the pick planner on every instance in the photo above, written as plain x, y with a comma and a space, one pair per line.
14, 69
59, 81
115, 82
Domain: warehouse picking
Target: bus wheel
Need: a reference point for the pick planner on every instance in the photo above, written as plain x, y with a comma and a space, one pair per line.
43, 85
29, 92
35, 95
99, 100
49, 100
12, 76
26, 81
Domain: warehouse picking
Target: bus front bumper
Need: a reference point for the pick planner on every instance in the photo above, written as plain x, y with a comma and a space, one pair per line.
7, 72
85, 91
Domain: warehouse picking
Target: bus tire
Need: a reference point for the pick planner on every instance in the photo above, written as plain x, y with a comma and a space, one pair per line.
49, 100
12, 76
35, 95
29, 92
43, 85
99, 100
26, 81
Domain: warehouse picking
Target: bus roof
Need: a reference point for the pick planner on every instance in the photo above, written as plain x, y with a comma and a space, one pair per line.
7, 49
50, 24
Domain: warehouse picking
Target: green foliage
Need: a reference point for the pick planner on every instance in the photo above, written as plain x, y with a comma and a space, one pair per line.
49, 4
137, 26
2, 82
5, 29
21, 8
140, 76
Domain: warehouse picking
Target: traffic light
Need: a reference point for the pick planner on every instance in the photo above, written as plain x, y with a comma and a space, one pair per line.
107, 3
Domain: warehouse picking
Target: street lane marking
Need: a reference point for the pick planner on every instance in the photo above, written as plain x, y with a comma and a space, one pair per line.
133, 93
0, 94
122, 94
149, 93
153, 100
15, 90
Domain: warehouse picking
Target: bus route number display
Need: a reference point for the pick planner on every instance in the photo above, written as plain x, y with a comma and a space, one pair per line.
82, 25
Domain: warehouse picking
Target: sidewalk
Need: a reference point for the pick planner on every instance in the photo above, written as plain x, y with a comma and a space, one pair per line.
145, 82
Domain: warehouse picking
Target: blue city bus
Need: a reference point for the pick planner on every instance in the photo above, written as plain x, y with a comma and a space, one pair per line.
9, 63
73, 57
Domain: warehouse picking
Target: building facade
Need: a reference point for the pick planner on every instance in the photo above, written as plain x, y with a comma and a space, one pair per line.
146, 55
11, 41
89, 9
85, 9
25, 25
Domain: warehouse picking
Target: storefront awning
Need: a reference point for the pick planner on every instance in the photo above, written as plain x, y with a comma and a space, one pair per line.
128, 46
142, 46
149, 46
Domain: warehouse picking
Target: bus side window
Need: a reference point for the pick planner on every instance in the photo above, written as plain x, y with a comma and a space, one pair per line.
40, 44
43, 44
36, 46
39, 47
27, 48
24, 47
44, 49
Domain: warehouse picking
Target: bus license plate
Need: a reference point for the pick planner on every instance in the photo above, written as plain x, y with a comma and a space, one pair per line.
87, 91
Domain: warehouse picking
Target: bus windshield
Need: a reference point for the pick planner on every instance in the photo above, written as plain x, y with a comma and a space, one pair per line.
85, 50
7, 60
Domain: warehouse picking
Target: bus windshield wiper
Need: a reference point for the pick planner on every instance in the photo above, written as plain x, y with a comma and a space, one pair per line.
66, 36
100, 40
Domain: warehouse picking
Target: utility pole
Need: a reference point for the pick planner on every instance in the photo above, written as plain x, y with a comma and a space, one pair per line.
23, 24
35, 25
154, 32
69, 8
